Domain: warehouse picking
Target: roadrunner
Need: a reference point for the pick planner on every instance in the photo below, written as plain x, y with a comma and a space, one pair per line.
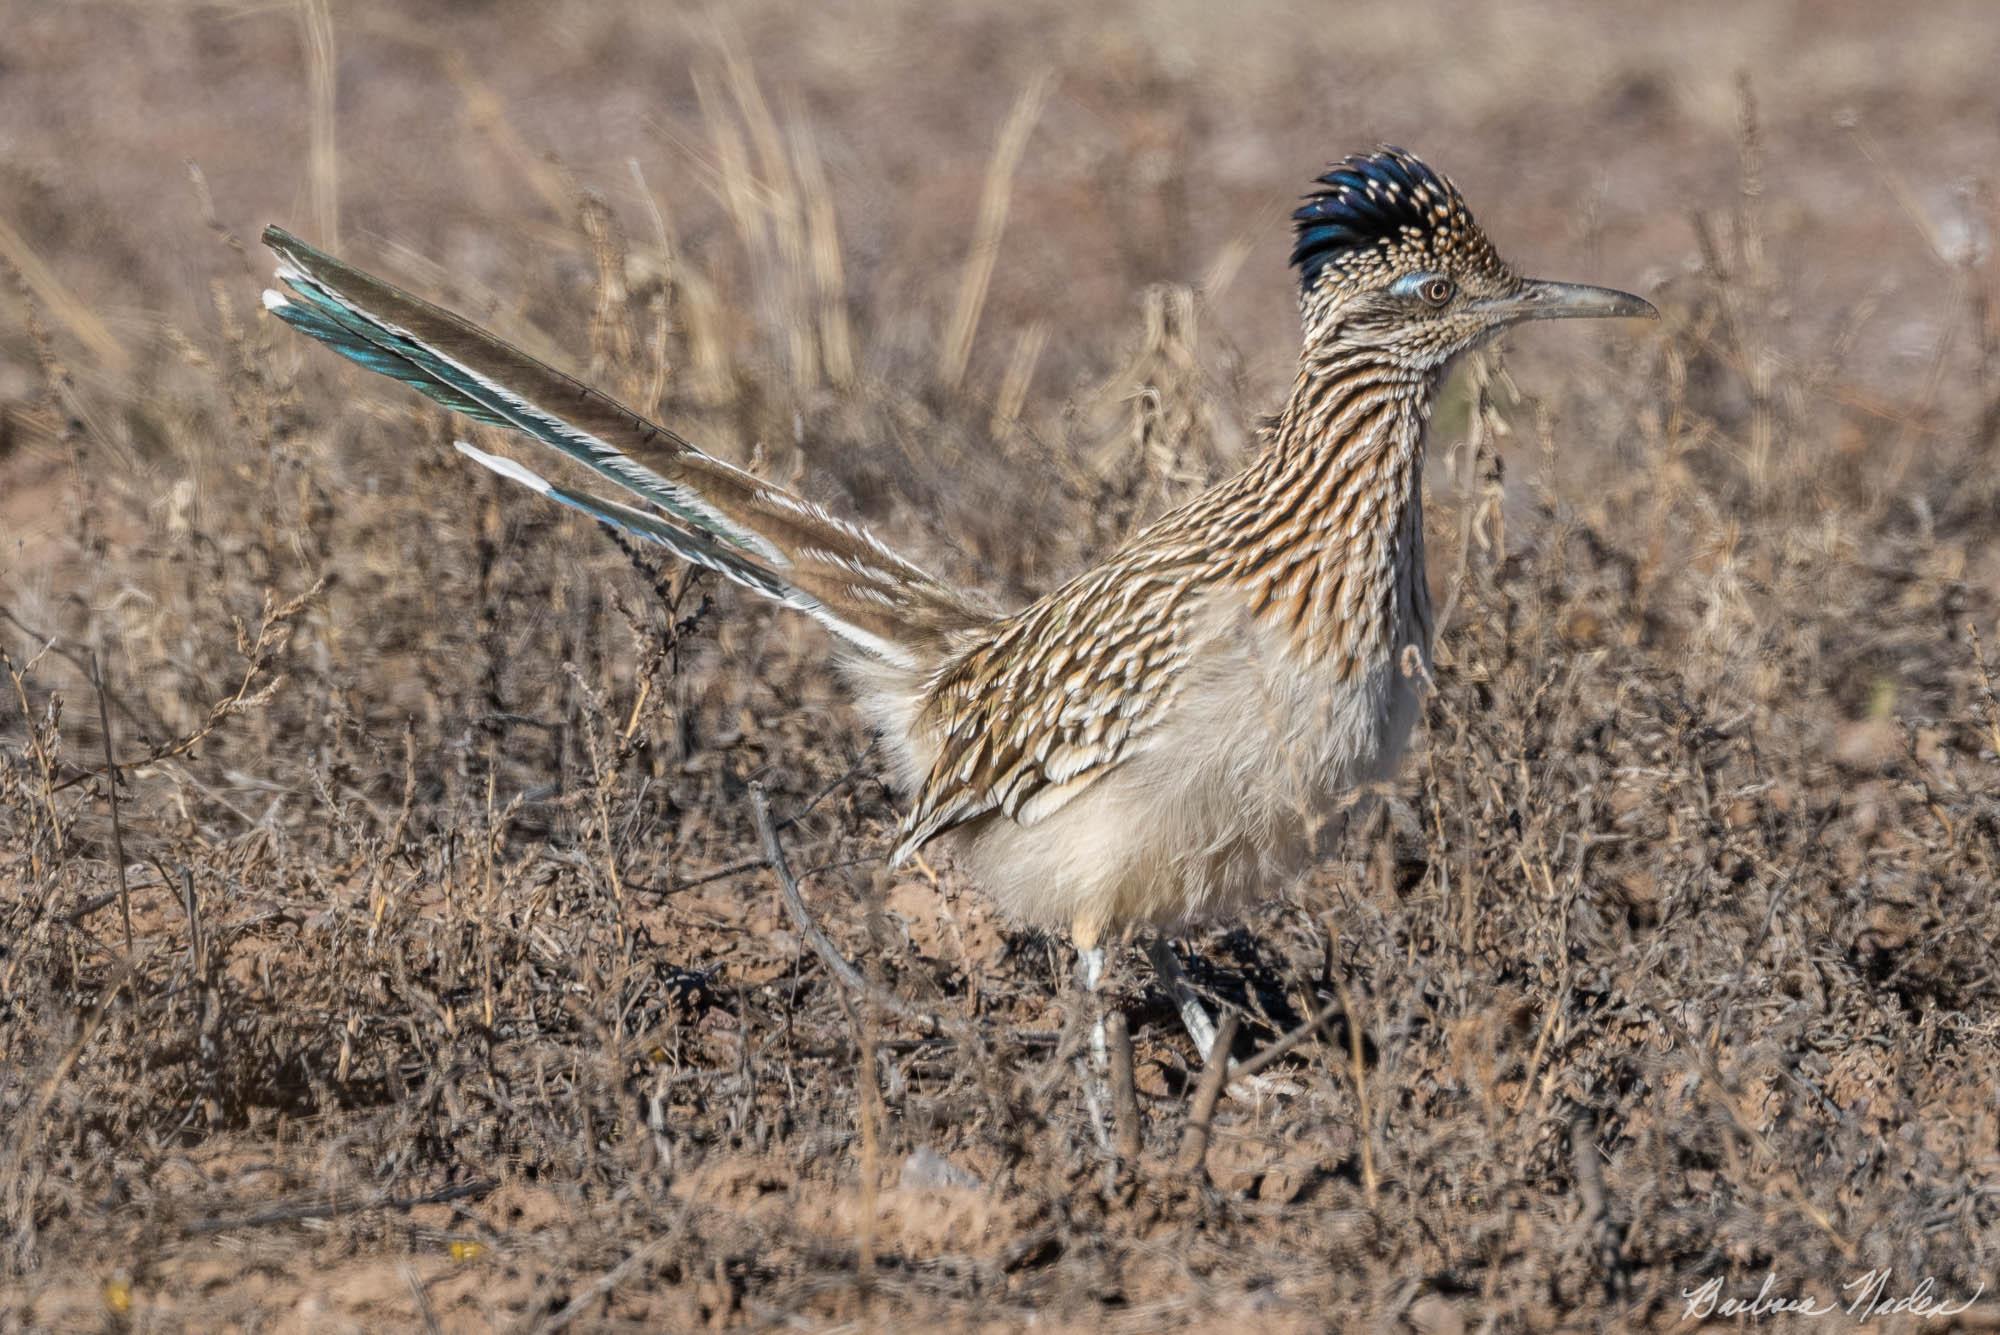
1168, 735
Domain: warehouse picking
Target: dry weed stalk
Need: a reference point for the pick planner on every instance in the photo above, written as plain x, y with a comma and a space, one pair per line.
955, 353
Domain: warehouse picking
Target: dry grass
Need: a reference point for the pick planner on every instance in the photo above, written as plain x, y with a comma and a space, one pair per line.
458, 992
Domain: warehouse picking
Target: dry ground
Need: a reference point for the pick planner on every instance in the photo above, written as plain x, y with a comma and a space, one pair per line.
454, 991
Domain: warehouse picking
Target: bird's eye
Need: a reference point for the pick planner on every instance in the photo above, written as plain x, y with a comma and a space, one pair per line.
1437, 291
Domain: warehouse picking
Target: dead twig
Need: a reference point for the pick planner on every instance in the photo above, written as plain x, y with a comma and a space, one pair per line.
1125, 1127
822, 944
1725, 1098
1214, 1075
292, 1212
274, 631
111, 794
869, 1115
1359, 1074
1250, 1066
774, 855
603, 1285
425, 1312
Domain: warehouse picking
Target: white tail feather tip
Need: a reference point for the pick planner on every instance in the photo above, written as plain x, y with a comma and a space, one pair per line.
274, 299
506, 468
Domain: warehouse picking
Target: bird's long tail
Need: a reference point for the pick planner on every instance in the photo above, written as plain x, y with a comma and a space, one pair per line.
702, 509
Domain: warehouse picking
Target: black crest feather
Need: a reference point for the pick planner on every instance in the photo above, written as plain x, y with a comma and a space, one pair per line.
1368, 201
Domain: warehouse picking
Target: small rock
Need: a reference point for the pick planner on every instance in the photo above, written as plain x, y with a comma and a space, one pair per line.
925, 1167
1434, 1316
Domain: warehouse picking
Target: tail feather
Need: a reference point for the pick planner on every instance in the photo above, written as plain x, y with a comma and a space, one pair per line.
688, 544
715, 514
324, 321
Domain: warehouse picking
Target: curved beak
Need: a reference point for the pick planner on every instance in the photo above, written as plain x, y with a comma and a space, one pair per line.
1540, 299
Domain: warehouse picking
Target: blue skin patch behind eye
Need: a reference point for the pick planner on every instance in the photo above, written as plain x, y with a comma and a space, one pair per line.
1412, 285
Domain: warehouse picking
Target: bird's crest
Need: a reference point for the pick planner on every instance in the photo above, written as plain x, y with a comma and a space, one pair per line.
1381, 213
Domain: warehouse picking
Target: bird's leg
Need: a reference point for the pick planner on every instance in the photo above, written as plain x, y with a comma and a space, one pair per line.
1090, 975
1090, 972
1168, 966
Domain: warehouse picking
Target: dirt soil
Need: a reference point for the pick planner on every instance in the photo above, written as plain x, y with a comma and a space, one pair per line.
432, 975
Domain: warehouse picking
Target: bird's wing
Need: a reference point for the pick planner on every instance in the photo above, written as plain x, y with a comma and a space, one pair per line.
1065, 691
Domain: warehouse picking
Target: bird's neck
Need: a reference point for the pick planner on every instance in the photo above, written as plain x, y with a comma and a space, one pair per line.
1334, 555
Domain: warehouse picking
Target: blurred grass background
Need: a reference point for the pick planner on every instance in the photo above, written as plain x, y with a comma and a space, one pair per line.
452, 991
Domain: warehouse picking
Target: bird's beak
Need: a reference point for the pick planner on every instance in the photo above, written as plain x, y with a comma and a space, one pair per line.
1540, 299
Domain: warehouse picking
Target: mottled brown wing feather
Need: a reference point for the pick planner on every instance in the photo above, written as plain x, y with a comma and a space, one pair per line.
1060, 695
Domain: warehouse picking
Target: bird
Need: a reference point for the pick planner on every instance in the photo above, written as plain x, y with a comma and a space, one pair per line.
1168, 736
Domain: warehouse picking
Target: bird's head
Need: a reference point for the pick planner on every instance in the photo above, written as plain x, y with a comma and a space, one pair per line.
1390, 259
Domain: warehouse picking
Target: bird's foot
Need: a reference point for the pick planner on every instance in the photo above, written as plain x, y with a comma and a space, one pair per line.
1193, 1014
1201, 1028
